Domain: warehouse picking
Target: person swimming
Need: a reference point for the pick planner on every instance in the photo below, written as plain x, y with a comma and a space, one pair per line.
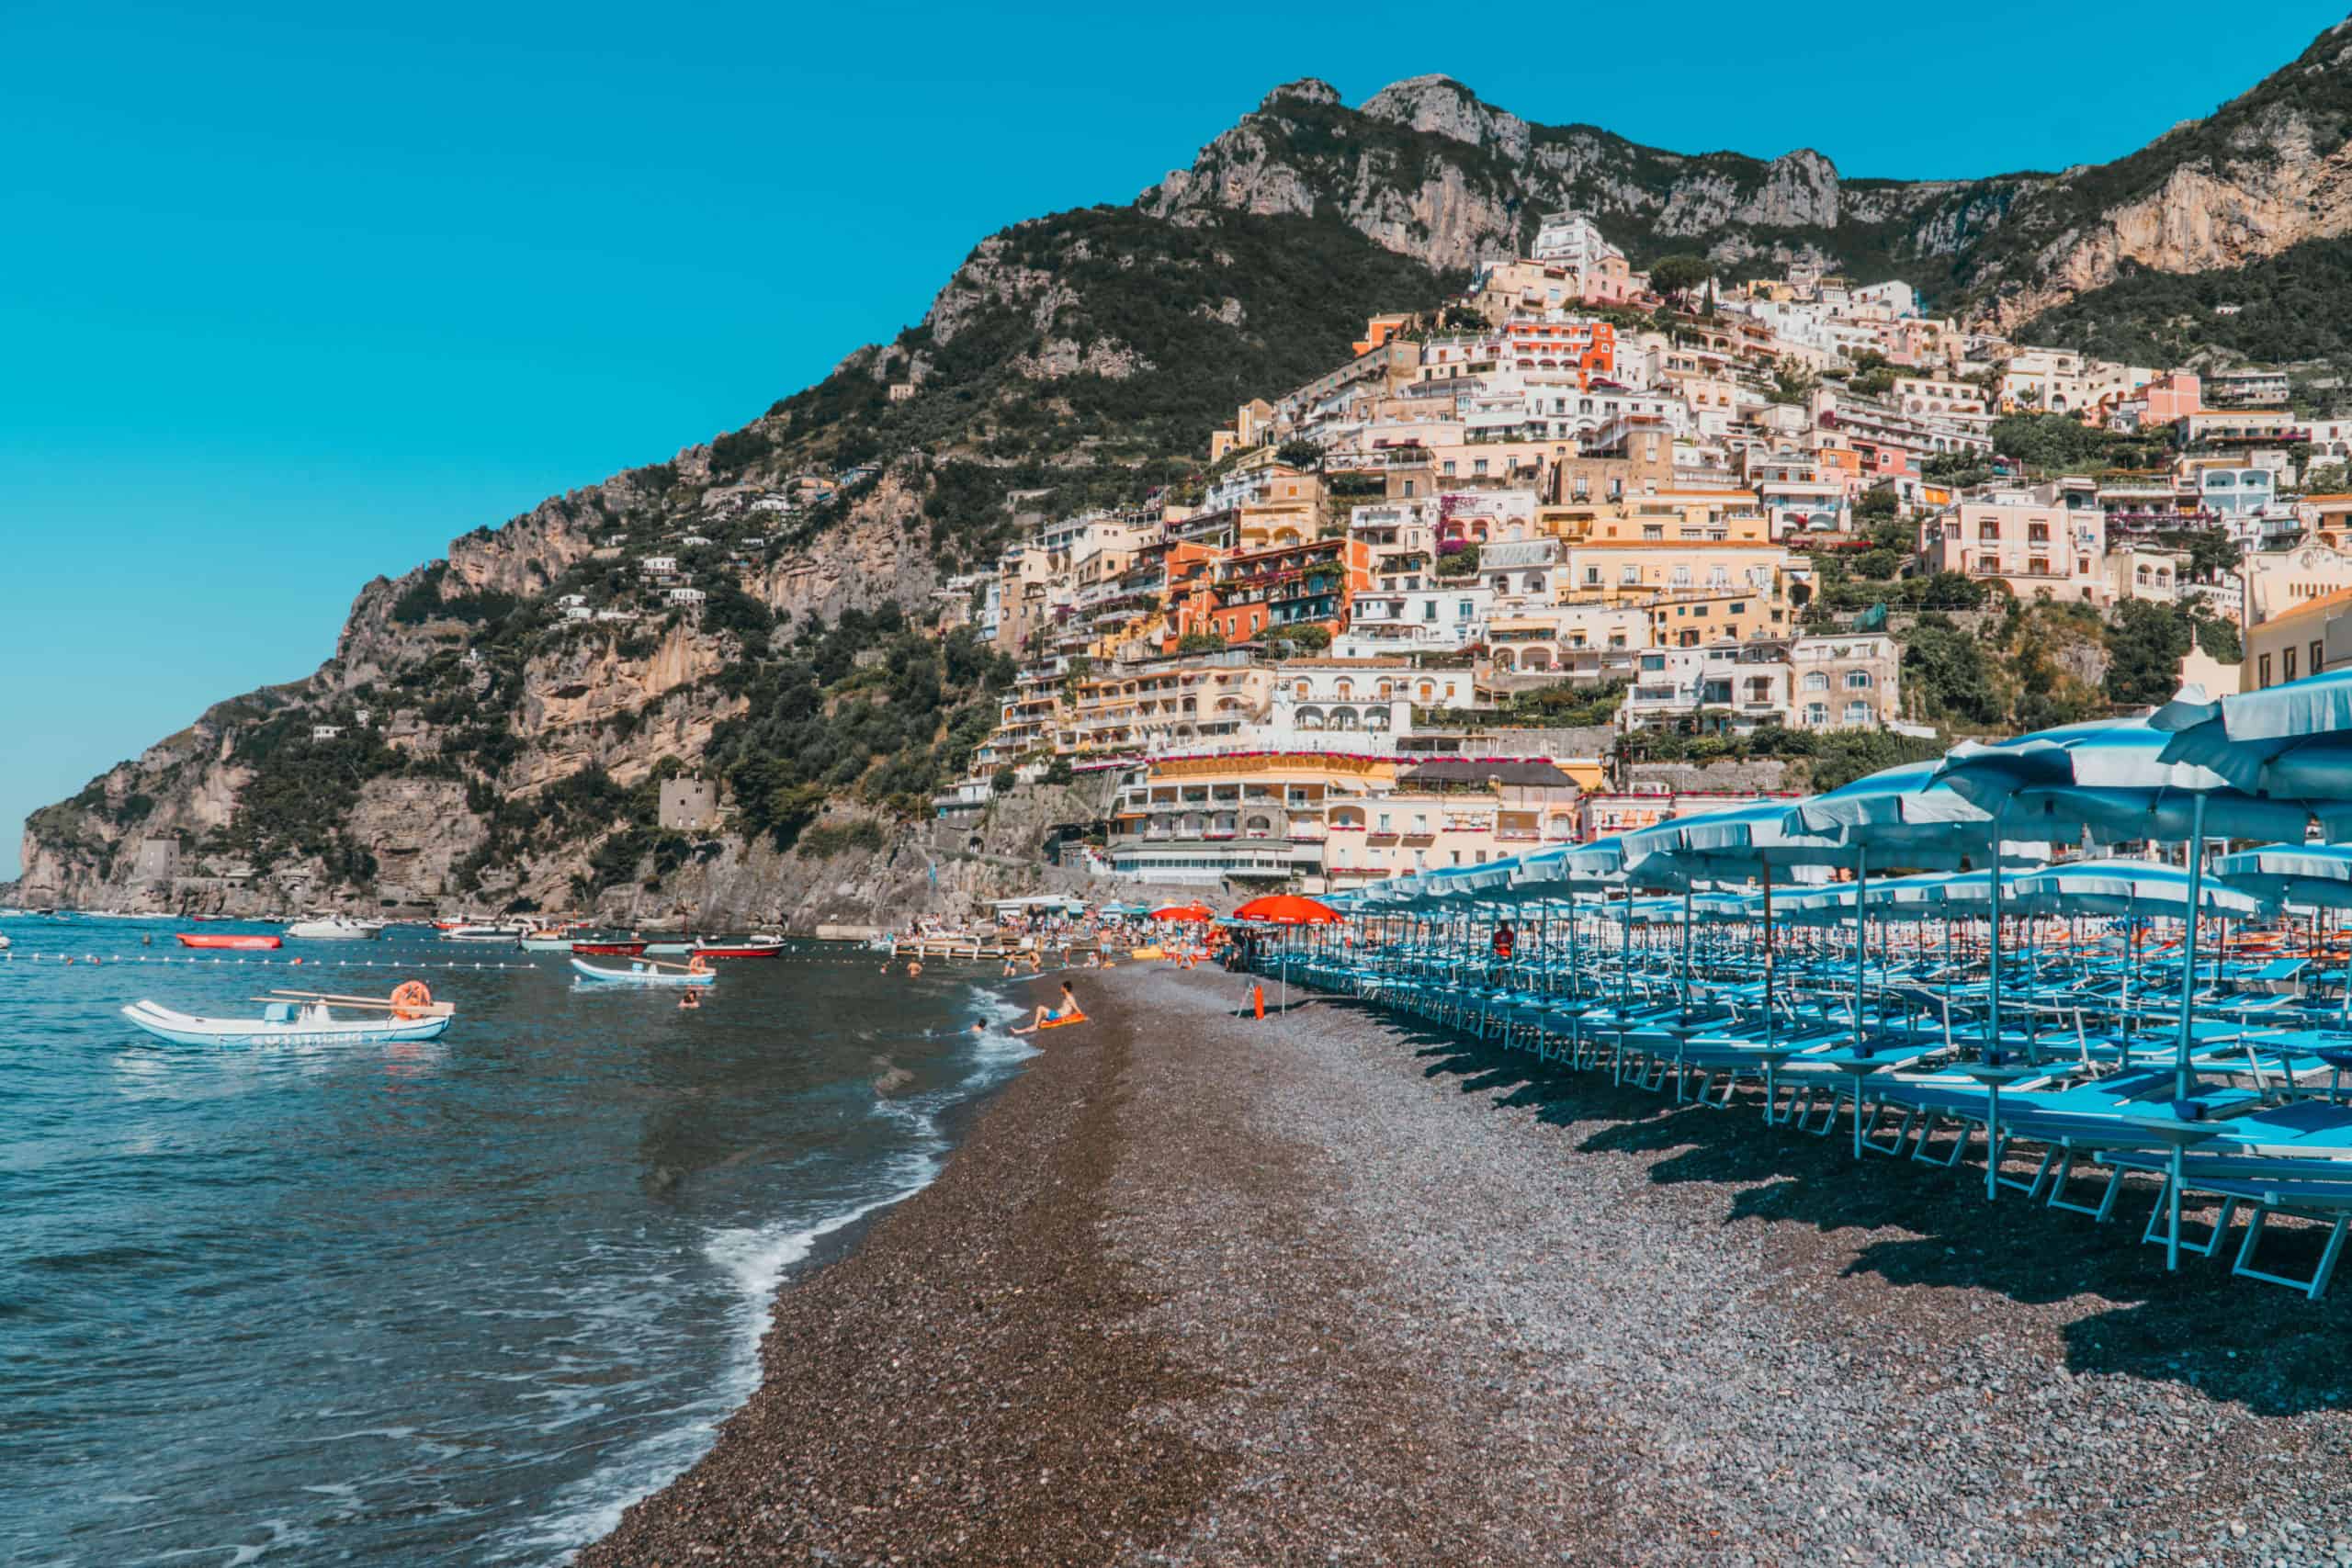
1063, 1012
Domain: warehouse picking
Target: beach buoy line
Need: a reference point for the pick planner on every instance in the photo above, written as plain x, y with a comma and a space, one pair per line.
101, 960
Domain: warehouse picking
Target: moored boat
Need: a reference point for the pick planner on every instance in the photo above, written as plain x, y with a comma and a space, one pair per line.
608, 949
305, 1017
333, 928
481, 934
759, 944
234, 941
643, 974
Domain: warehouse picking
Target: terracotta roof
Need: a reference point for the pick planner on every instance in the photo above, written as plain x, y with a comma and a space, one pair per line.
1479, 770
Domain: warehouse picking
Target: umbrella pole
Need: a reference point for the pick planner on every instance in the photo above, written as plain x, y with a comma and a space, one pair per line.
2188, 981
1625, 965
2131, 953
1993, 938
1861, 883
1764, 874
1686, 968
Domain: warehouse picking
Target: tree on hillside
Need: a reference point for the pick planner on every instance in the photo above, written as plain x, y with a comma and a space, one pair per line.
1946, 671
1677, 275
2211, 552
2144, 647
1792, 384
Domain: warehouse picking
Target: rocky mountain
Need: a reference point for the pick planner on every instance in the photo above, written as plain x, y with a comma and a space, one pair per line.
512, 743
1428, 169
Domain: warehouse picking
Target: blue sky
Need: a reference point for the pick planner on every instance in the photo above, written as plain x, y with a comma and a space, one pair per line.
290, 298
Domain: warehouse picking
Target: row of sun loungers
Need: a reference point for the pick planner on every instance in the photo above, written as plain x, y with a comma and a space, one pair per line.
2082, 1080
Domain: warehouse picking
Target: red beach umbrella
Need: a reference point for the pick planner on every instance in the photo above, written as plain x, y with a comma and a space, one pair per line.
1198, 914
1288, 909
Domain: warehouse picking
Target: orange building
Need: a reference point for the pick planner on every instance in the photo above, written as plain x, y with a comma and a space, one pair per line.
1259, 592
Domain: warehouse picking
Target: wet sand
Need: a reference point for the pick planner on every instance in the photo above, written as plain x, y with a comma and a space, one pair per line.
1202, 1290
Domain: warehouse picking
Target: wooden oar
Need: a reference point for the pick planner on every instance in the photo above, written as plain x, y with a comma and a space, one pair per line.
426, 1009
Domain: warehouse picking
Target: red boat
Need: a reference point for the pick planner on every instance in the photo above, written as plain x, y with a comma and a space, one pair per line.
609, 949
231, 940
753, 947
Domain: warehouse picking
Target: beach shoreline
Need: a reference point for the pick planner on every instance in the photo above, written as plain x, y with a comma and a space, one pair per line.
1199, 1289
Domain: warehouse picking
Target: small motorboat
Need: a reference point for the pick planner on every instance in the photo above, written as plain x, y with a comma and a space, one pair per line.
305, 1017
644, 974
758, 944
548, 939
233, 942
481, 934
333, 928
596, 948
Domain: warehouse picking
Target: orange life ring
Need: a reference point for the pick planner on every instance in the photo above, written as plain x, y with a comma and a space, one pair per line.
697, 965
410, 998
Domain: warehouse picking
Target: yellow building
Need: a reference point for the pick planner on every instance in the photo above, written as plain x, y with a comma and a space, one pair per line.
2310, 639
1262, 816
1450, 812
1159, 703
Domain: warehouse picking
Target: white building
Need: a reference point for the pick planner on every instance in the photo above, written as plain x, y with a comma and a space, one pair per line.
1415, 620
1574, 241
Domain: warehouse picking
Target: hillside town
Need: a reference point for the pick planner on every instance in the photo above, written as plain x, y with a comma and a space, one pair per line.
1710, 508
1581, 549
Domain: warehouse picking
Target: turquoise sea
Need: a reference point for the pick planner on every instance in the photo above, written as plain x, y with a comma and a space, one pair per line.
453, 1302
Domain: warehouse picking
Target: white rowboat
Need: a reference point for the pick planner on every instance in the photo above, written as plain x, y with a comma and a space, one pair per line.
640, 974
282, 1024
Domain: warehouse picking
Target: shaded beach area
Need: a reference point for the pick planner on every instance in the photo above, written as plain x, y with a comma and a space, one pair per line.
1199, 1289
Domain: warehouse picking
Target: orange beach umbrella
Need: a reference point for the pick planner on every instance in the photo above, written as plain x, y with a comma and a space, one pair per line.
1198, 914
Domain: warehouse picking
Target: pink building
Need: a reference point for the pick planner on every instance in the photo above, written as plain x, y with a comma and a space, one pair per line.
2173, 397
2032, 540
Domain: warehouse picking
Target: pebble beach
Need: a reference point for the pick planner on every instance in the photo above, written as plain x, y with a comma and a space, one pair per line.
1199, 1289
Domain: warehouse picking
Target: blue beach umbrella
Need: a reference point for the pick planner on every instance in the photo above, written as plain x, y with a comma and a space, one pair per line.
1565, 870
2291, 741
1737, 842
2316, 874
2132, 887
2119, 780
1905, 817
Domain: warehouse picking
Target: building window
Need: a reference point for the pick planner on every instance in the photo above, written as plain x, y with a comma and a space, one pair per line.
1816, 681
1857, 713
2319, 657
2262, 671
2287, 662
1858, 680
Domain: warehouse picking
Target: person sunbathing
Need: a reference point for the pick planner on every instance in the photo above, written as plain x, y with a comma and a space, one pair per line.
1064, 1011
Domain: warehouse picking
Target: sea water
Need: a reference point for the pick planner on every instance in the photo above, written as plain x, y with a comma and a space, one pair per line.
444, 1303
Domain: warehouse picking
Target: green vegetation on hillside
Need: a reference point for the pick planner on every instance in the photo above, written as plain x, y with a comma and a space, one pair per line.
1175, 327
821, 726
2292, 308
